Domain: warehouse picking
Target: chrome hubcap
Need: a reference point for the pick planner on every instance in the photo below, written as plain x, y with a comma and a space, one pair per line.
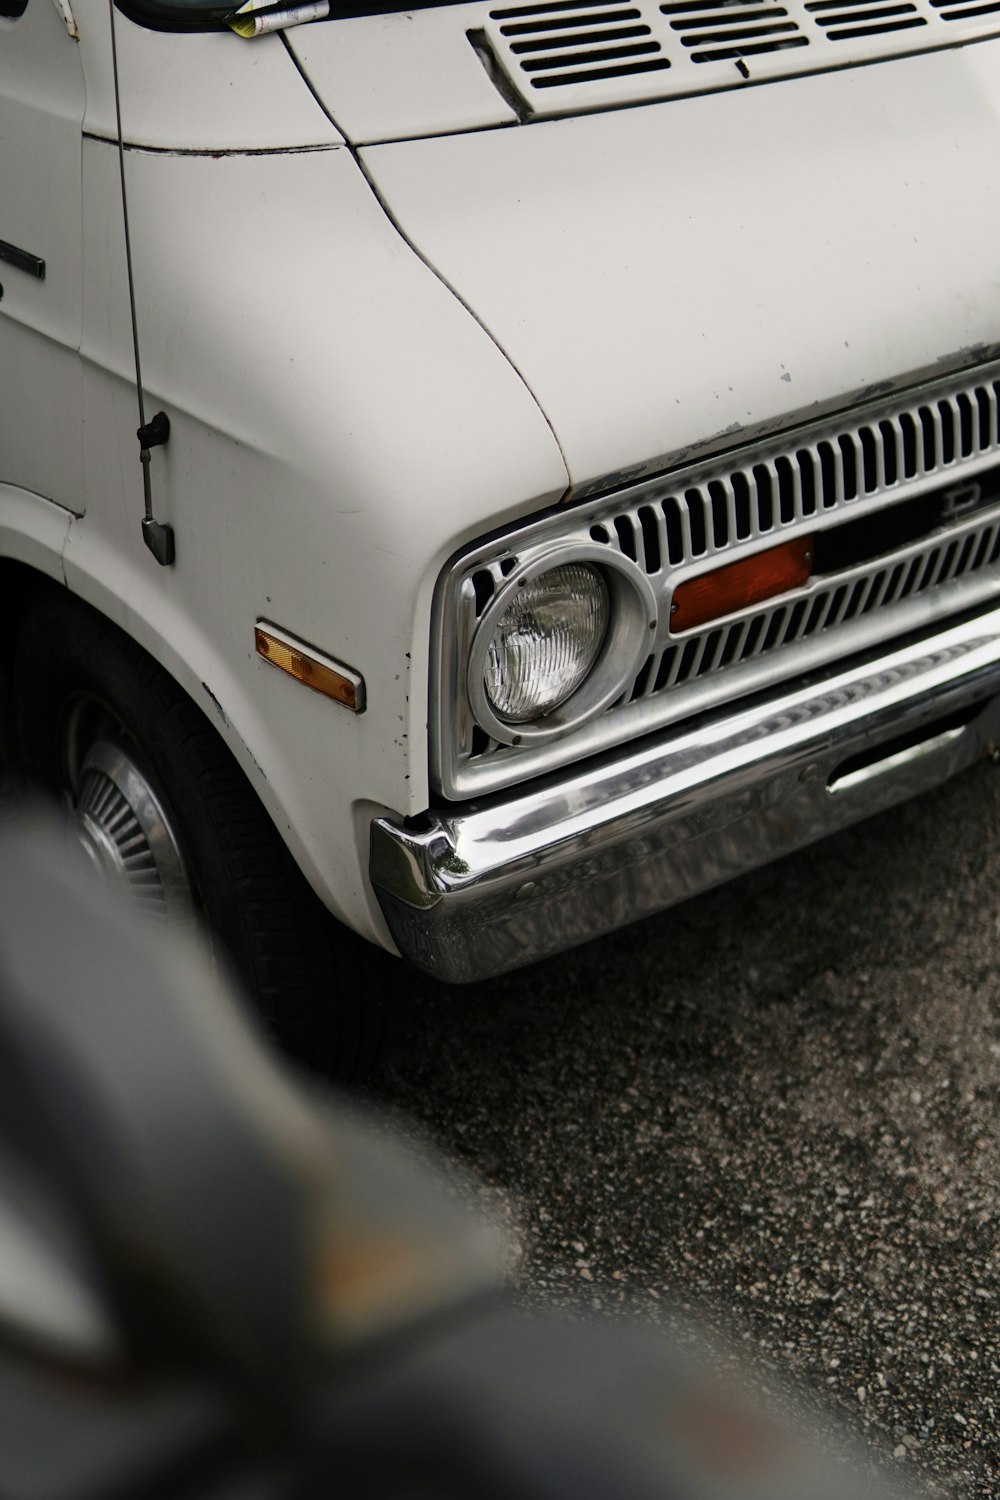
125, 831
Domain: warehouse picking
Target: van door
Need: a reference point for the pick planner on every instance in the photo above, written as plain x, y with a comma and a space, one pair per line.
41, 115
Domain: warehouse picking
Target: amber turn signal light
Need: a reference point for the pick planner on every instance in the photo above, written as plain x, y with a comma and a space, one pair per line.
738, 585
310, 667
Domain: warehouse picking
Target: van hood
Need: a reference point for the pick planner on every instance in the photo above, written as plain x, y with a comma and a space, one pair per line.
674, 277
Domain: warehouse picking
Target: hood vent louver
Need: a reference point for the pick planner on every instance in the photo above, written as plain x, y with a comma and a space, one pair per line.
963, 10
715, 33
843, 19
561, 56
592, 43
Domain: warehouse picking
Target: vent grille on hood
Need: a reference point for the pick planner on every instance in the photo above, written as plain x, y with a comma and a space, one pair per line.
715, 33
962, 10
840, 19
554, 48
559, 55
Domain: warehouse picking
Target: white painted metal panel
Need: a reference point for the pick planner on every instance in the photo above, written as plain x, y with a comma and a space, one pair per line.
563, 56
409, 74
690, 271
196, 92
338, 427
41, 106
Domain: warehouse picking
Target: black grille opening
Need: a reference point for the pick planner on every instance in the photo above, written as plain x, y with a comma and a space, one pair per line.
642, 681
807, 478
729, 649
947, 432
709, 654
696, 514
983, 408
786, 488
650, 538
626, 537
908, 428
663, 670
621, 70
774, 628
837, 604
966, 440
854, 601
849, 467
575, 23
981, 552
550, 7
827, 470
965, 554
895, 579
594, 54
796, 619
675, 530
687, 659
578, 39
869, 459
741, 499
910, 577
482, 583
880, 531
889, 455
929, 434
765, 500
720, 513
965, 12
748, 49
753, 635
816, 612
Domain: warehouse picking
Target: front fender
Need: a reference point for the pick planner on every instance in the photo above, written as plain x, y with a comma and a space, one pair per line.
340, 424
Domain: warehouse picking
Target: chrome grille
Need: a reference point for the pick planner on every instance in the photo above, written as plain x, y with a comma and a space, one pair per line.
943, 441
881, 586
814, 478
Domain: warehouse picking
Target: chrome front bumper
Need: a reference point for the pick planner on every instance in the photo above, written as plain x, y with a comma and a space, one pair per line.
493, 885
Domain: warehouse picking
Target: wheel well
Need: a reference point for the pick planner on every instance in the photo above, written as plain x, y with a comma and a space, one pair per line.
19, 585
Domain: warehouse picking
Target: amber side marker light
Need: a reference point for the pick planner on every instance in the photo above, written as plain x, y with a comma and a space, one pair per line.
309, 666
740, 584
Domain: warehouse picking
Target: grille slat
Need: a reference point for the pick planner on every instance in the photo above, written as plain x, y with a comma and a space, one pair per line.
934, 569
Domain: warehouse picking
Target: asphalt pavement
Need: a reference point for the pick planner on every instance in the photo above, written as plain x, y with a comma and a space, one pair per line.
773, 1110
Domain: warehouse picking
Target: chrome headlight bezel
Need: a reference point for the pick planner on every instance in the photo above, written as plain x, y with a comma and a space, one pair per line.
632, 618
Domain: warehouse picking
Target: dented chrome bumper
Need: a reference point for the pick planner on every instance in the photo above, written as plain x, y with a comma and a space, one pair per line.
489, 886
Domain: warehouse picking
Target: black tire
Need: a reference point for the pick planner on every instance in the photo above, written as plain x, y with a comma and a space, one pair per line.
322, 992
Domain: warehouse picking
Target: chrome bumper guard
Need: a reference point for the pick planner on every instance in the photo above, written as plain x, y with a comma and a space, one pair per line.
488, 887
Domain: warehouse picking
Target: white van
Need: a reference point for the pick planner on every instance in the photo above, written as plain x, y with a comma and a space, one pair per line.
568, 471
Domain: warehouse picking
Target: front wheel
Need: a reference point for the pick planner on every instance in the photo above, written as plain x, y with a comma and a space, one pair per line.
159, 804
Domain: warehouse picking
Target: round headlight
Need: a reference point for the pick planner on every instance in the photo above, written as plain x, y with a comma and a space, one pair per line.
545, 642
561, 639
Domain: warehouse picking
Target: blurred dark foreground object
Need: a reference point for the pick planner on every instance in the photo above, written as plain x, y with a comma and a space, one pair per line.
214, 1283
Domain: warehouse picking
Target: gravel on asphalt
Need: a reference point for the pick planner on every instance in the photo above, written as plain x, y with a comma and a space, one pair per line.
775, 1109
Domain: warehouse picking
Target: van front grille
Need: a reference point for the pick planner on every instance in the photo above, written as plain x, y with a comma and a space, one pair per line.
900, 501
